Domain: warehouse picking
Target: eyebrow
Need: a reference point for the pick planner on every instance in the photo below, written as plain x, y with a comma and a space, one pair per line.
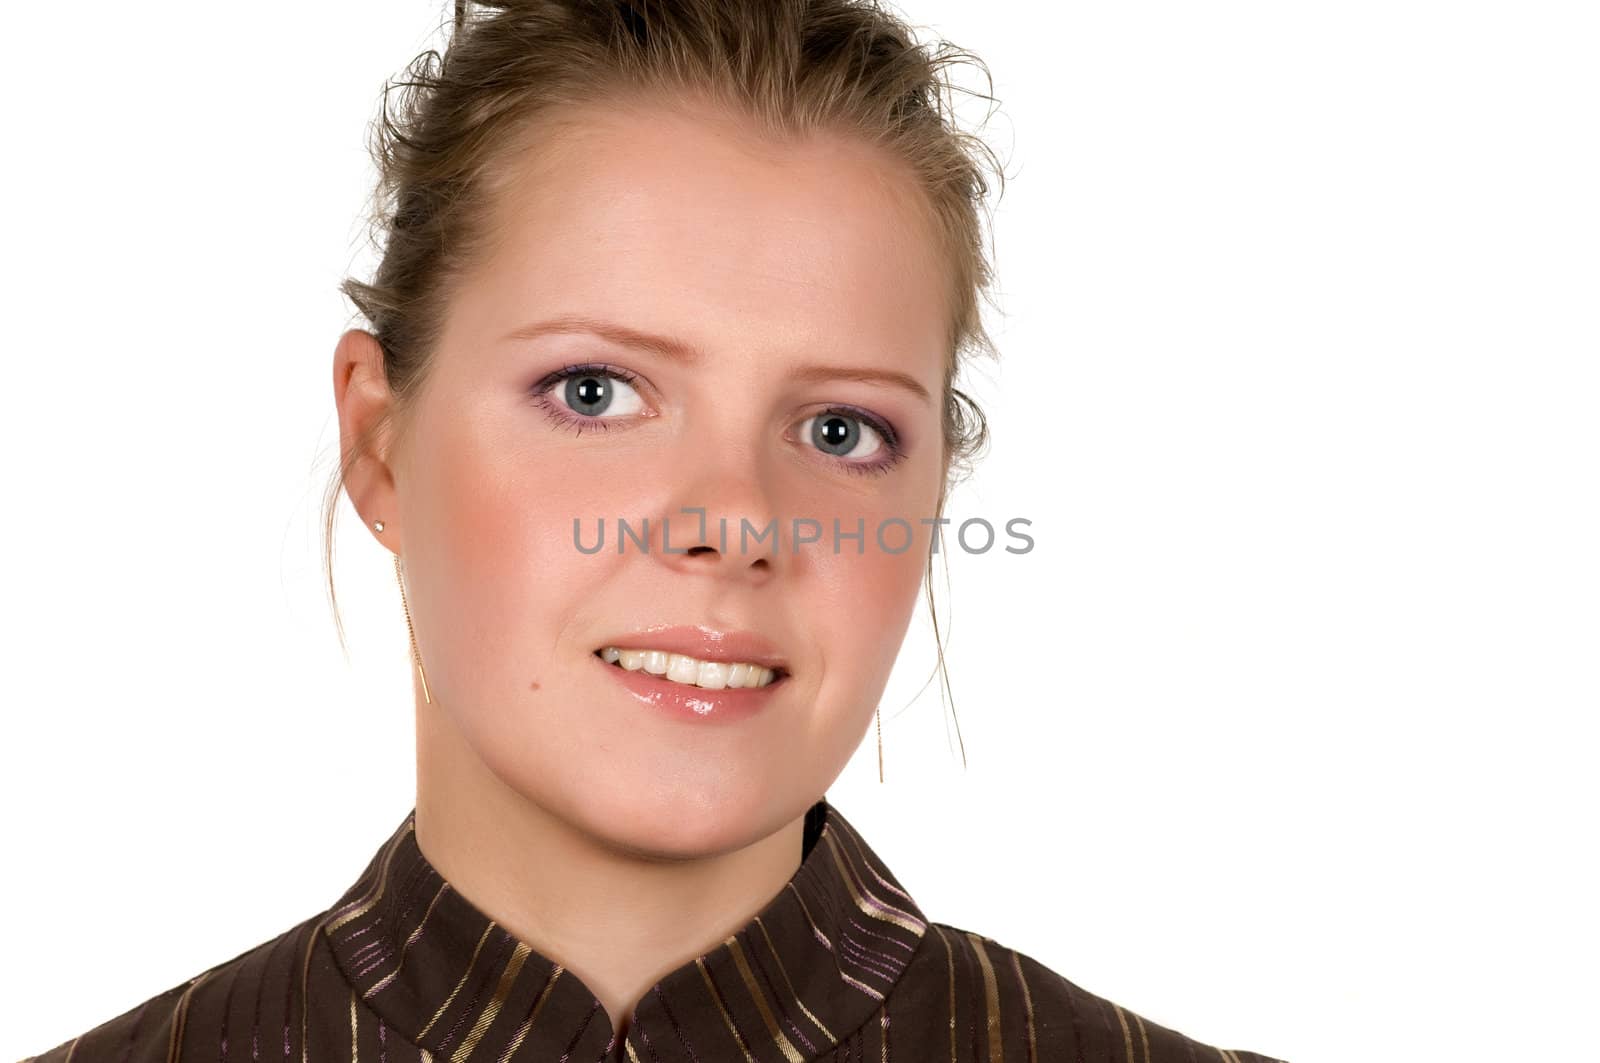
677, 351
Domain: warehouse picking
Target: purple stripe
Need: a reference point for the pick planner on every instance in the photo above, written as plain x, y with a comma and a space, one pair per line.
863, 850
687, 1047
881, 936
227, 1006
868, 960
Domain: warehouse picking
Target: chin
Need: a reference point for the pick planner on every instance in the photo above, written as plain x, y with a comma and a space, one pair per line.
665, 823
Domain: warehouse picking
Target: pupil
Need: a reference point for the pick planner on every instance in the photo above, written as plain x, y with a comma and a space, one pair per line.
588, 394
836, 434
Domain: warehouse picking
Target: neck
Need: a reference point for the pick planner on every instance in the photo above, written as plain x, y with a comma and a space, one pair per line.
617, 920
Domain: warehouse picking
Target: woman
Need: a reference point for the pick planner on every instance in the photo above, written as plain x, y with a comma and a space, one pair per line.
656, 415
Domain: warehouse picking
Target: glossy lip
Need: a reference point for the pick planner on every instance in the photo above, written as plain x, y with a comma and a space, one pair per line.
690, 702
708, 644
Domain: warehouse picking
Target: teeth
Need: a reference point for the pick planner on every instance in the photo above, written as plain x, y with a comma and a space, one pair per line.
691, 671
713, 676
681, 669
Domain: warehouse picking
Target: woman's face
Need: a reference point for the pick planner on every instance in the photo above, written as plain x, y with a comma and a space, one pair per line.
798, 280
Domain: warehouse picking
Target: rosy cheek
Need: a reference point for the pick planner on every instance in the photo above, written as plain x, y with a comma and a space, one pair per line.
509, 490
501, 511
866, 598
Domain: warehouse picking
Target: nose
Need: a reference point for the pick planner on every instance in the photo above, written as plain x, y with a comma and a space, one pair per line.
722, 520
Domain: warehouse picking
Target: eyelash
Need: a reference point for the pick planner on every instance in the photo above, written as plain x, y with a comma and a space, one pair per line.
566, 418
562, 415
891, 442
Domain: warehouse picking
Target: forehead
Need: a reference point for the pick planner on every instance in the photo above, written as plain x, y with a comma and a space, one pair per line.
685, 220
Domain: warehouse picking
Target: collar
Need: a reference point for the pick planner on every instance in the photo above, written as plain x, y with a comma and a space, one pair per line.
808, 969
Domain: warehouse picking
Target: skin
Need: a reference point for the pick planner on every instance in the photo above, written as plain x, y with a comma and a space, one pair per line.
619, 841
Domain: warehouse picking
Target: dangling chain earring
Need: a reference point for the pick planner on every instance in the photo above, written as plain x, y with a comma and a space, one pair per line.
877, 715
377, 525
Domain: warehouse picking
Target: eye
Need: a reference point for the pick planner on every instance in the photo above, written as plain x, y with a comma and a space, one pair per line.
842, 435
597, 392
589, 395
855, 440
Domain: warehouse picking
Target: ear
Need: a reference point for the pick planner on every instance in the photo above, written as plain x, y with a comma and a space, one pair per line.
362, 396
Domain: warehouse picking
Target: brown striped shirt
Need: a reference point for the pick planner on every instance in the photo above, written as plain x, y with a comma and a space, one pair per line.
840, 965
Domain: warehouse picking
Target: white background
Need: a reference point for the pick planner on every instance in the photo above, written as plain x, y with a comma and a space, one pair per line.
1292, 704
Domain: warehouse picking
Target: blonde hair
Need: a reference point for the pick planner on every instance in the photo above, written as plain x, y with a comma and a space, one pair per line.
788, 66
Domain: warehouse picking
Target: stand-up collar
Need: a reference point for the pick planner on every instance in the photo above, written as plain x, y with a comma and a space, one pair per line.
807, 970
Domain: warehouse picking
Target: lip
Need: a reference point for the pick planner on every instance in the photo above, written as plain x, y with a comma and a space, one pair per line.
708, 644
693, 703
687, 702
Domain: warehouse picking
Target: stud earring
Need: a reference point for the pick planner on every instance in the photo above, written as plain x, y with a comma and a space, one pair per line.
377, 525
410, 630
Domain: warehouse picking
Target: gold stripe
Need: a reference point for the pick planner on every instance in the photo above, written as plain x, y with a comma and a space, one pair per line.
383, 880
773, 949
717, 999
522, 1031
859, 984
70, 1050
353, 1026
860, 848
1145, 1041
883, 1030
633, 1057
901, 919
1027, 1007
788, 1049
991, 992
305, 981
809, 919
868, 990
486, 1016
410, 940
180, 1016
463, 981
1127, 1035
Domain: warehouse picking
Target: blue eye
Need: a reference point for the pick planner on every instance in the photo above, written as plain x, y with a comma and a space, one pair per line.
593, 395
859, 442
593, 392
843, 436
588, 395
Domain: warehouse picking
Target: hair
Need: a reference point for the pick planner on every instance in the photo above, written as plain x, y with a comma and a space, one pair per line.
451, 124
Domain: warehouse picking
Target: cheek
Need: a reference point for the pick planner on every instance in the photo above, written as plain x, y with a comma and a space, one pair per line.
506, 574
858, 598
862, 602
